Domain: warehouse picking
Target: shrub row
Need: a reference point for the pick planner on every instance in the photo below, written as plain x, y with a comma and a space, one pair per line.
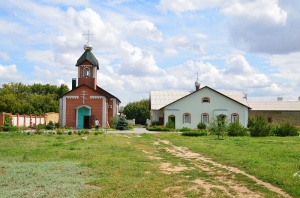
256, 128
158, 128
197, 133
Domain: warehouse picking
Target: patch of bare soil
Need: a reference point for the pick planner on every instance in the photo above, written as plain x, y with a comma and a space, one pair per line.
221, 178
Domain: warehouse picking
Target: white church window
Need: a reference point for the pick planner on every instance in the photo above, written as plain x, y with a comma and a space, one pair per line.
206, 100
205, 118
234, 117
86, 72
186, 118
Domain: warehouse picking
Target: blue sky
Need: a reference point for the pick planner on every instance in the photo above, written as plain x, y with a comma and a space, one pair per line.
246, 45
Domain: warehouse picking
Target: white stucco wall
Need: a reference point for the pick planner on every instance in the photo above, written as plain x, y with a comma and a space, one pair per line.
193, 105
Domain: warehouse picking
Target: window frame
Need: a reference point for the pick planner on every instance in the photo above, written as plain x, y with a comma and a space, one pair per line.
205, 114
86, 72
269, 119
189, 118
205, 100
235, 115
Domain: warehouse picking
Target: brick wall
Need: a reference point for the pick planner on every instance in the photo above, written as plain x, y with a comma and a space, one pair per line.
278, 117
96, 105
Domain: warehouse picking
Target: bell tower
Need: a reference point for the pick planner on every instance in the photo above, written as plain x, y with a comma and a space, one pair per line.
87, 68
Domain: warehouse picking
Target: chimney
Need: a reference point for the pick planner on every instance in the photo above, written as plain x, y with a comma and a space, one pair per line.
279, 98
73, 83
197, 85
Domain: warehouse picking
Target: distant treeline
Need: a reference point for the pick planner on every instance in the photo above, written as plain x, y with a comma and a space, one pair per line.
35, 99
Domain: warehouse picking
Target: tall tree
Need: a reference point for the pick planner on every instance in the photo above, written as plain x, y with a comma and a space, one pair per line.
30, 99
137, 110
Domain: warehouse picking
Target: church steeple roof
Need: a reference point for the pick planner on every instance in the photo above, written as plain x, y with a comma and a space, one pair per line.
89, 56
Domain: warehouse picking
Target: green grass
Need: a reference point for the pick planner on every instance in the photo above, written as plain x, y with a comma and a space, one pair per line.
120, 165
271, 159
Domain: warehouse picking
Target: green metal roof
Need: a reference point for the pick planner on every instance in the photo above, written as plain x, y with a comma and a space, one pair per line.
89, 56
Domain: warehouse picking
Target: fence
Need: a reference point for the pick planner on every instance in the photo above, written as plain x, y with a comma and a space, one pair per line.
30, 120
131, 121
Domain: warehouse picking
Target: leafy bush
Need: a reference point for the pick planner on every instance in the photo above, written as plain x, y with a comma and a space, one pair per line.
157, 128
86, 132
260, 128
130, 126
10, 128
114, 121
285, 130
8, 121
250, 122
236, 129
155, 123
201, 125
195, 133
122, 124
218, 125
70, 133
170, 124
183, 129
50, 125
41, 126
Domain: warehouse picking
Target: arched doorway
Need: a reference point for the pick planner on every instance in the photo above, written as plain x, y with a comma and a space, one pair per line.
83, 117
172, 118
221, 119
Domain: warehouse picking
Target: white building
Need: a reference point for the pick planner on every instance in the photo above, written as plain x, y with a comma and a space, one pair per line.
188, 109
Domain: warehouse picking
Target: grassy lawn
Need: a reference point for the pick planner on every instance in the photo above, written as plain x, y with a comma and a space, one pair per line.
140, 166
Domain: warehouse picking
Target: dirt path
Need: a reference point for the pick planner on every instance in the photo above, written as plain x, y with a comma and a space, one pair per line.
222, 179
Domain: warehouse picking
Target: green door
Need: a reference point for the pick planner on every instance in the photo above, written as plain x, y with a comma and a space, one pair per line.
81, 112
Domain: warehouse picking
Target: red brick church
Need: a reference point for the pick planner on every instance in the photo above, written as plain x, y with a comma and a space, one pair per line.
86, 102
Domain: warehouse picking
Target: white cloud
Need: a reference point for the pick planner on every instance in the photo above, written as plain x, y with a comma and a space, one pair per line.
4, 56
10, 27
188, 5
67, 2
238, 65
138, 62
184, 43
103, 34
9, 73
257, 10
288, 66
145, 29
264, 26
45, 57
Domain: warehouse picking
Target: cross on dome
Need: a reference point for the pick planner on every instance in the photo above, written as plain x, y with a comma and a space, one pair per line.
88, 46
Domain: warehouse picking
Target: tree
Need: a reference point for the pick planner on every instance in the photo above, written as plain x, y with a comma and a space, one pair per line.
138, 110
30, 99
122, 124
218, 125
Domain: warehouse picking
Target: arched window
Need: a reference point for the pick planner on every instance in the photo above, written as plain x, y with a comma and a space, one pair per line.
206, 100
186, 118
205, 118
86, 72
234, 117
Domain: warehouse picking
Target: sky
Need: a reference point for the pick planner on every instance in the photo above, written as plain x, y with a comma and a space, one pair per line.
148, 45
